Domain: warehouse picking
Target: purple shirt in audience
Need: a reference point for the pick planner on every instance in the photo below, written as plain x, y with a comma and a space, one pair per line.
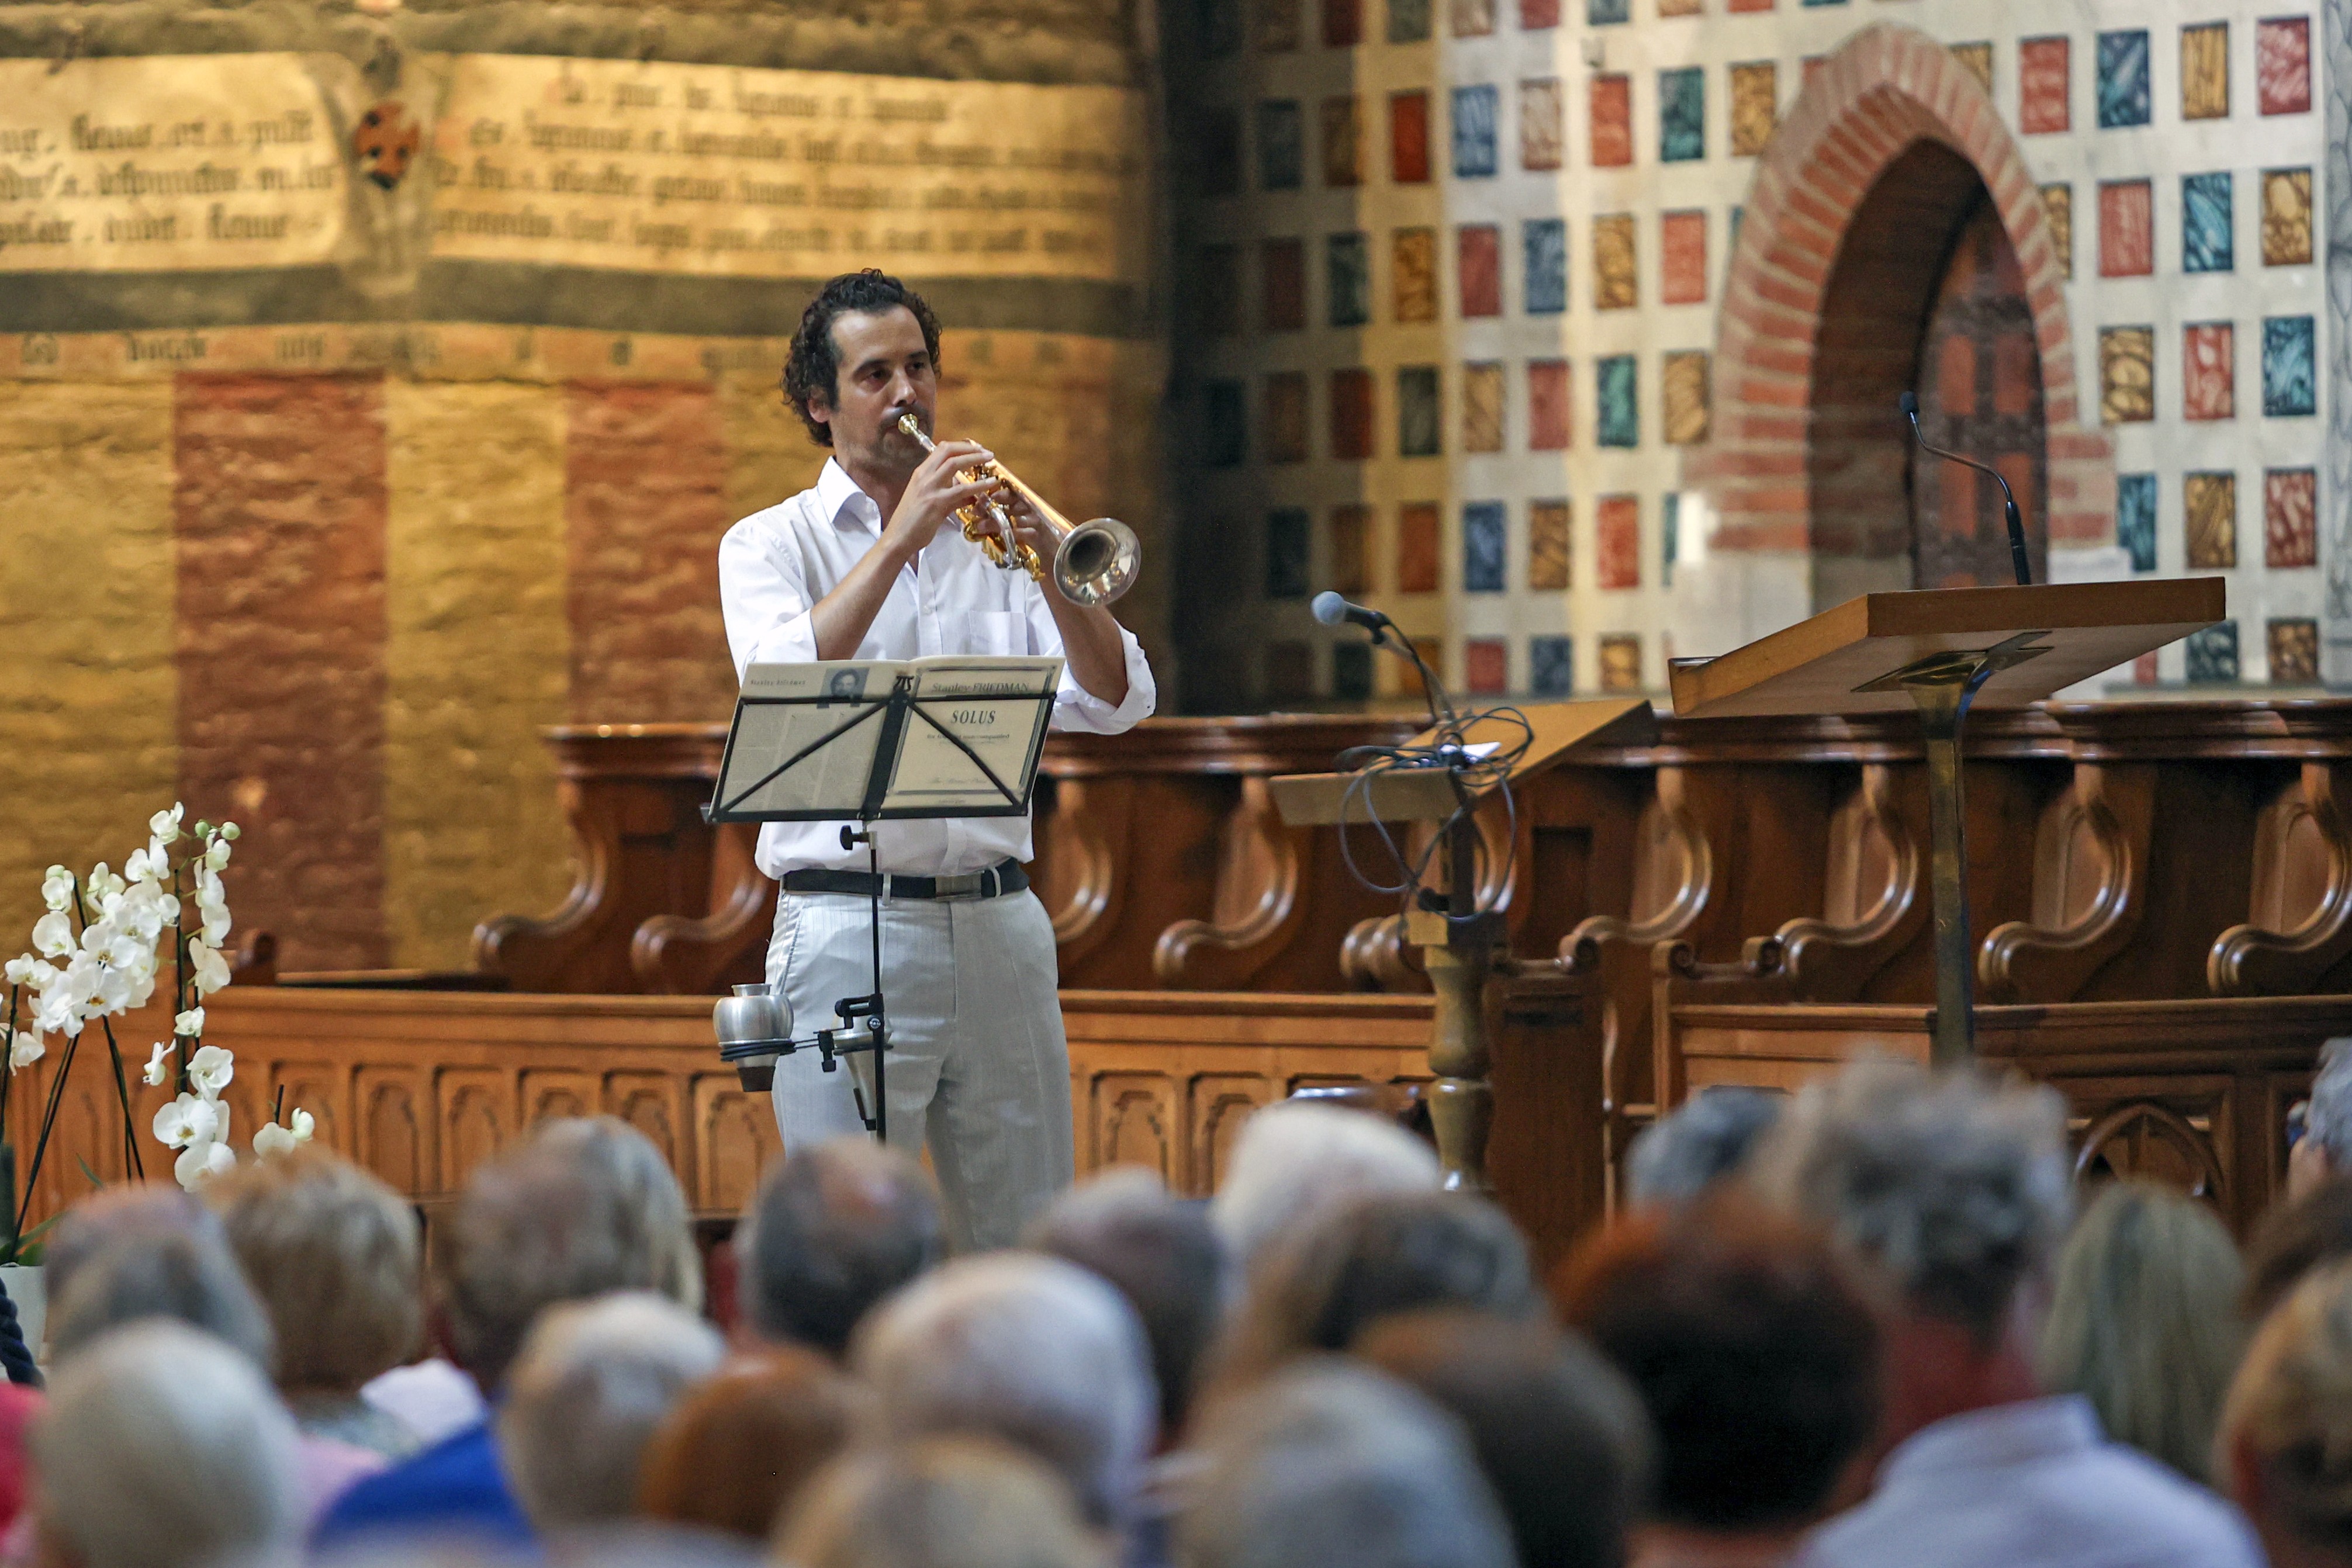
2024, 1485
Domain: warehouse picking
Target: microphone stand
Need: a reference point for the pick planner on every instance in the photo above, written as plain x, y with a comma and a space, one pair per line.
1910, 406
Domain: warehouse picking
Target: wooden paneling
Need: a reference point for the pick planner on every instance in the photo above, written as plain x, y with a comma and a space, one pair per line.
422, 1086
2189, 1092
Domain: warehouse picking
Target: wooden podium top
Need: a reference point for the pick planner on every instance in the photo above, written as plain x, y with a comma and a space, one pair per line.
1426, 794
2072, 632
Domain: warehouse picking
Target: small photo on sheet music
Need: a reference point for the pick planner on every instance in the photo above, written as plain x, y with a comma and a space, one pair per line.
997, 706
833, 776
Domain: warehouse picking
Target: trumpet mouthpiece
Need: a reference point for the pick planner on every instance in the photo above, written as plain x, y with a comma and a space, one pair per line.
907, 422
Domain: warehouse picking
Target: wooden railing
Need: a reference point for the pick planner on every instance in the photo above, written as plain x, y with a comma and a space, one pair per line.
2177, 853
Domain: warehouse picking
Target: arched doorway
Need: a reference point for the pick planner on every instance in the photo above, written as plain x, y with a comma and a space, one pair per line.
1925, 296
1855, 220
1980, 394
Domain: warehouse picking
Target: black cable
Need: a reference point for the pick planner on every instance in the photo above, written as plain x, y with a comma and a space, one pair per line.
1447, 749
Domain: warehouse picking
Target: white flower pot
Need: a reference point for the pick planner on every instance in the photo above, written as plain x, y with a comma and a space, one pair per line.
28, 1287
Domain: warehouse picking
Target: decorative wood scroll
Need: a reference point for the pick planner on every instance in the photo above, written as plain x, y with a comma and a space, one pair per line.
2300, 933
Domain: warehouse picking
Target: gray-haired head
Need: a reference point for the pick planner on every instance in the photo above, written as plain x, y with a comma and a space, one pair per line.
2327, 1122
1954, 1184
584, 1207
834, 1228
1161, 1254
1023, 1347
1328, 1462
163, 1448
1295, 1161
188, 1277
1699, 1143
593, 1382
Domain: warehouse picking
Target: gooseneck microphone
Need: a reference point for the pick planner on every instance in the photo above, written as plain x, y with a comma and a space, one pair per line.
1910, 407
1333, 610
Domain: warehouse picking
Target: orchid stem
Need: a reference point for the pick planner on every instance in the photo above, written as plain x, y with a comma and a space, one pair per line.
122, 1096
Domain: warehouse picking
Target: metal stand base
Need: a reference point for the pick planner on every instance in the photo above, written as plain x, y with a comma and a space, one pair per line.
1943, 686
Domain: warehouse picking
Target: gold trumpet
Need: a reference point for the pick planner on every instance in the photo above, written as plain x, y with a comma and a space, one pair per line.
1094, 562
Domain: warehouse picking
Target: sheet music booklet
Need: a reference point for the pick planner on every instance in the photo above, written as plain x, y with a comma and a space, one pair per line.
996, 707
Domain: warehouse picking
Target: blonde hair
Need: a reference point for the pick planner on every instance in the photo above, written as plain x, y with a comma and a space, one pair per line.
2143, 1320
937, 1502
335, 1254
2291, 1410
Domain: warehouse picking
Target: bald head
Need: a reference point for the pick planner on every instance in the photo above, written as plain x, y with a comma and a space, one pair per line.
833, 1229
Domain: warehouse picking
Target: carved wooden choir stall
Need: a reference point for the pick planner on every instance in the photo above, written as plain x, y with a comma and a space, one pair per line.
2162, 895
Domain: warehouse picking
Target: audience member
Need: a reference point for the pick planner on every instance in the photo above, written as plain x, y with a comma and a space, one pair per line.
332, 1252
2143, 1320
1317, 1290
1295, 1161
191, 1277
1558, 1434
2296, 1236
1162, 1255
1328, 1462
580, 1209
1955, 1187
939, 1502
2325, 1149
1025, 1348
2285, 1442
19, 1407
832, 1230
112, 1213
593, 1382
1755, 1351
737, 1449
163, 1448
1699, 1143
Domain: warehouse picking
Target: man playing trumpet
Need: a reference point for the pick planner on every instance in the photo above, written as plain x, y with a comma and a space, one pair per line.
860, 567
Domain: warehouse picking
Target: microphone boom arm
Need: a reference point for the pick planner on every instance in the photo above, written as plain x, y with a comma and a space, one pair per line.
2017, 555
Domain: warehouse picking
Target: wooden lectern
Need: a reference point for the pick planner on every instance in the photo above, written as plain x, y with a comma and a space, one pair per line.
1459, 944
1943, 650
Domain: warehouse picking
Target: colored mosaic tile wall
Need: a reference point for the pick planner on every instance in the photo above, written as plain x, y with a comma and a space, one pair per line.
1454, 271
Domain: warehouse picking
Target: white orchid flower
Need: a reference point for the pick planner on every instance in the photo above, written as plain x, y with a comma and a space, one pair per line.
53, 933
143, 867
25, 970
26, 1050
159, 1065
274, 1139
201, 1162
211, 968
210, 1071
165, 825
101, 883
217, 853
59, 1013
190, 1023
191, 1119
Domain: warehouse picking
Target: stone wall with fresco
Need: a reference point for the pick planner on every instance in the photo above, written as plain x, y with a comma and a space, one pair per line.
375, 385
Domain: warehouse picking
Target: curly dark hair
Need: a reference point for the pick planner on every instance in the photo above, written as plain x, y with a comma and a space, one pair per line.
813, 367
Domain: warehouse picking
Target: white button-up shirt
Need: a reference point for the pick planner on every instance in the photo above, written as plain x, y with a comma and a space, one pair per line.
775, 565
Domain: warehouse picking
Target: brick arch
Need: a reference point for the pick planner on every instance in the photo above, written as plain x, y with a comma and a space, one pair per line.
1886, 91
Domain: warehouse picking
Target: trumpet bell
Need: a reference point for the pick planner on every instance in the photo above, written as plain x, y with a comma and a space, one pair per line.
1098, 561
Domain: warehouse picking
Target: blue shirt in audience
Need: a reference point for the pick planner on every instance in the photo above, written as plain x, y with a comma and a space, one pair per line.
454, 1488
2025, 1485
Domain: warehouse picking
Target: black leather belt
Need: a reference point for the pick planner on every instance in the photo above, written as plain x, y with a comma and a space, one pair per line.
1005, 876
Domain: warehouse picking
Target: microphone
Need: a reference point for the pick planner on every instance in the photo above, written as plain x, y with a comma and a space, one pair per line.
1333, 610
1909, 405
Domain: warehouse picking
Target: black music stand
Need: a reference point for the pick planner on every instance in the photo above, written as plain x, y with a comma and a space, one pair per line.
871, 736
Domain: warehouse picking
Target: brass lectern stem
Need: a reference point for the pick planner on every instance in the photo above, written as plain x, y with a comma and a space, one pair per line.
1943, 710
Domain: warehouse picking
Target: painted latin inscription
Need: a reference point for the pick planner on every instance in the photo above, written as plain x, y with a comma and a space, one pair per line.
166, 164
715, 171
